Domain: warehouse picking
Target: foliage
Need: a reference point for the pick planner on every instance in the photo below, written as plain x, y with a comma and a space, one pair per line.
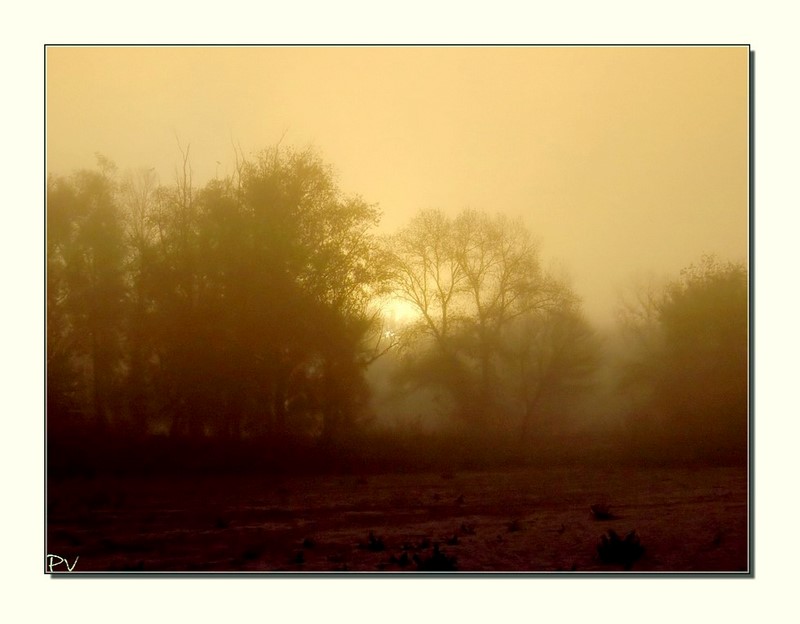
85, 297
242, 308
694, 362
494, 330
437, 561
625, 551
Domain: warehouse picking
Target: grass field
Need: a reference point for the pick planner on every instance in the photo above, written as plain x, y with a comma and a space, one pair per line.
512, 520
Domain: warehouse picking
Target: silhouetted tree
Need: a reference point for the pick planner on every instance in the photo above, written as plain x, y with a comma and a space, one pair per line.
473, 280
209, 312
551, 356
691, 371
264, 284
85, 293
426, 273
139, 192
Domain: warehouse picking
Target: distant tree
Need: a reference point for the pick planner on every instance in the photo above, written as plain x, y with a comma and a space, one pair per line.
476, 281
551, 356
328, 272
691, 373
263, 285
139, 193
85, 293
426, 274
64, 379
503, 281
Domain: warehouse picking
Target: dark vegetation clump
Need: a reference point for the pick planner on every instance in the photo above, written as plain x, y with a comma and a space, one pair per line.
514, 526
624, 551
373, 543
601, 511
252, 552
403, 560
467, 528
438, 561
309, 542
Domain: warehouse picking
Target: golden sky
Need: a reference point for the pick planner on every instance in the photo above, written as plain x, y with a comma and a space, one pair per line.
621, 160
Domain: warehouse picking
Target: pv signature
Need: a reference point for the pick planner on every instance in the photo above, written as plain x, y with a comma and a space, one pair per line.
52, 563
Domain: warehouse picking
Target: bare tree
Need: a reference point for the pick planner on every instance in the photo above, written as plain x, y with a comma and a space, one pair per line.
470, 278
427, 273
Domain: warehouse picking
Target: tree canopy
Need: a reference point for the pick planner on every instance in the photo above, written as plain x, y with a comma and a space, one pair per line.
488, 313
692, 358
241, 308
251, 308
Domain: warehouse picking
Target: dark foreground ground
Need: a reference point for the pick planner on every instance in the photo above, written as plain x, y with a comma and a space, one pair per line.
531, 520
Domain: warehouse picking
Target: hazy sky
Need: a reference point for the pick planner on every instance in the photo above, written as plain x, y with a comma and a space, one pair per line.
622, 161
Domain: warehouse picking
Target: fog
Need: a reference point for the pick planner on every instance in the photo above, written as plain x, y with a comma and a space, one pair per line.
428, 285
620, 161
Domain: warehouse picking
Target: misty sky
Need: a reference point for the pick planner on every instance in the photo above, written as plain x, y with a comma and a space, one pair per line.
622, 161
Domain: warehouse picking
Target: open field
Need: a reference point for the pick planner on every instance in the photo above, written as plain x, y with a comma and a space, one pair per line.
512, 520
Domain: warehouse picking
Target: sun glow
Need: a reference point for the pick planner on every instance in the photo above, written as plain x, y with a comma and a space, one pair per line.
398, 311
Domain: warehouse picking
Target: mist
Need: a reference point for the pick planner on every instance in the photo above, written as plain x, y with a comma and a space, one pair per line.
445, 286
620, 160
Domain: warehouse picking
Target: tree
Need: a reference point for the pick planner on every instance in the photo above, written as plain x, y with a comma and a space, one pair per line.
551, 357
211, 311
139, 194
694, 364
503, 281
426, 273
473, 280
85, 293
327, 272
63, 376
262, 290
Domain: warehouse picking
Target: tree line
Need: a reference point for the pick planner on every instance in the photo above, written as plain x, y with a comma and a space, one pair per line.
211, 311
253, 306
